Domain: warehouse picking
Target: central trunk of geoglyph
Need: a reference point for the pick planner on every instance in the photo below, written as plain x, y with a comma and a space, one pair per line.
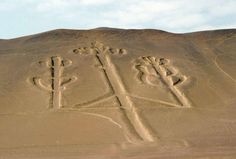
56, 73
135, 127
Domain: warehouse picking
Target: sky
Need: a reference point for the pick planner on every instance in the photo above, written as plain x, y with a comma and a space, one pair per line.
25, 17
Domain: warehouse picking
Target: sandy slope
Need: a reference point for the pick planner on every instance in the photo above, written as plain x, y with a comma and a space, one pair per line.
113, 93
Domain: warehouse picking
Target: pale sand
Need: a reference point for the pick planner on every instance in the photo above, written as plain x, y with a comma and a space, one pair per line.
112, 93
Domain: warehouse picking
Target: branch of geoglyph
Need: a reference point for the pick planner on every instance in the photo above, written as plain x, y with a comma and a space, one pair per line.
66, 63
67, 82
40, 84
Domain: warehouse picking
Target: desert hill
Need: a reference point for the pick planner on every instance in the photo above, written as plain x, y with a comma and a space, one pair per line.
113, 93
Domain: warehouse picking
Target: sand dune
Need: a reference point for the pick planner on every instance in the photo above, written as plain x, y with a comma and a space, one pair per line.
114, 93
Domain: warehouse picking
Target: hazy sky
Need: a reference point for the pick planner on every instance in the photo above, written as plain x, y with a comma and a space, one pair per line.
24, 17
